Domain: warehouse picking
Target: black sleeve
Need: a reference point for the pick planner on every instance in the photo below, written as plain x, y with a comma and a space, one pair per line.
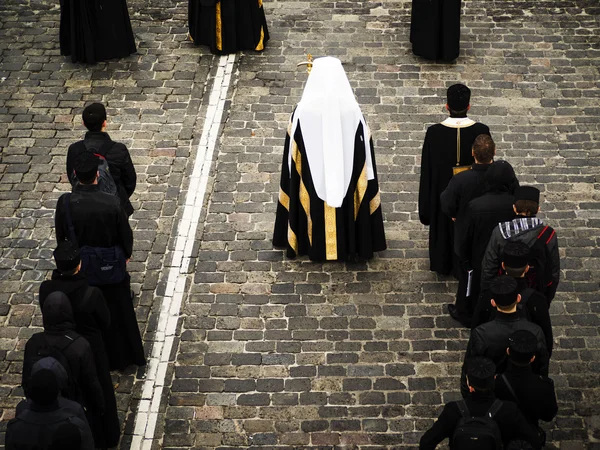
555, 262
450, 198
465, 238
425, 183
101, 310
542, 361
524, 430
125, 233
90, 385
548, 407
475, 347
60, 222
441, 429
128, 174
70, 158
491, 260
540, 315
482, 310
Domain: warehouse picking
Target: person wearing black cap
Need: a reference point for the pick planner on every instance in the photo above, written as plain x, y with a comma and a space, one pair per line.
39, 418
533, 394
116, 154
435, 29
99, 222
475, 223
92, 319
533, 304
438, 164
491, 339
544, 262
479, 402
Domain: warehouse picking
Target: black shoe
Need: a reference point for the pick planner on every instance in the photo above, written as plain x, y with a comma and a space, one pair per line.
453, 311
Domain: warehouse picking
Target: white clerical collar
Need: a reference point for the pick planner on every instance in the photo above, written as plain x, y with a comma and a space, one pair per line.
458, 122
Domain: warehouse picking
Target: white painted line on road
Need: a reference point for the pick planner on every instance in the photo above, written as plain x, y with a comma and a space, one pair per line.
162, 345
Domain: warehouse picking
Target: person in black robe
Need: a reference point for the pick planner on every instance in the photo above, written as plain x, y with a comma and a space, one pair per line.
440, 160
92, 319
329, 205
99, 221
92, 31
228, 26
435, 29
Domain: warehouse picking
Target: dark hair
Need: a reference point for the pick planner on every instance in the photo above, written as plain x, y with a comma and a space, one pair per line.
484, 149
505, 308
94, 116
515, 272
527, 207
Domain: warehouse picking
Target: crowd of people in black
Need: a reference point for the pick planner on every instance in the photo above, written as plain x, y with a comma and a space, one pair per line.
484, 230
90, 327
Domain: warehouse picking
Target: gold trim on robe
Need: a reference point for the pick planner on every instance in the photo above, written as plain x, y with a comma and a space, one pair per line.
284, 199
330, 233
292, 239
218, 26
304, 197
261, 45
375, 203
260, 3
361, 189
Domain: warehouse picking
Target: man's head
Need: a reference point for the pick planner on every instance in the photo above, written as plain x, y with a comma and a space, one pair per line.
458, 99
86, 167
527, 201
94, 117
483, 149
67, 258
480, 374
522, 345
515, 257
505, 295
43, 387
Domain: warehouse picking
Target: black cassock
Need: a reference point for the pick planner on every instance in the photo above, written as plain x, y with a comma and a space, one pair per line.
95, 30
435, 29
437, 160
227, 26
306, 225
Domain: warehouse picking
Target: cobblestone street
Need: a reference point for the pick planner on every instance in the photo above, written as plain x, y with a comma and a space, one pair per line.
276, 353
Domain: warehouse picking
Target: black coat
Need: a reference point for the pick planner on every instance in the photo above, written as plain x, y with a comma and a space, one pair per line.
119, 163
535, 393
511, 422
462, 188
98, 219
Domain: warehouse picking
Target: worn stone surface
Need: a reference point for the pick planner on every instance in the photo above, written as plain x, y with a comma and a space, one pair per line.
293, 354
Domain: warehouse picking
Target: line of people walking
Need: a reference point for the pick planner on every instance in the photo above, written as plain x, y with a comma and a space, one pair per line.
484, 230
90, 327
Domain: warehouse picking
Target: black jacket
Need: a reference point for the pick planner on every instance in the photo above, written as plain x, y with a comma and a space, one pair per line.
535, 306
535, 393
462, 188
98, 219
119, 162
511, 422
491, 340
58, 319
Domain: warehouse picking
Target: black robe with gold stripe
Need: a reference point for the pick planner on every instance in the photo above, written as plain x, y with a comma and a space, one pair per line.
227, 26
306, 225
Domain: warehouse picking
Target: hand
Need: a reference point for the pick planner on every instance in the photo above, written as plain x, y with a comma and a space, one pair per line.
127, 260
454, 219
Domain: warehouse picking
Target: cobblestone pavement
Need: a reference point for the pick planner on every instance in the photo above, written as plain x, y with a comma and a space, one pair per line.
291, 354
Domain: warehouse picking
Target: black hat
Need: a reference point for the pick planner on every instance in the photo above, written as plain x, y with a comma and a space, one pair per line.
86, 166
43, 387
515, 254
480, 372
94, 116
527, 193
522, 345
458, 97
67, 256
504, 290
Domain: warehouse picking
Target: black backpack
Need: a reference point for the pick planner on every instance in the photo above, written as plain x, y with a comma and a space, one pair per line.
477, 433
42, 349
539, 275
106, 182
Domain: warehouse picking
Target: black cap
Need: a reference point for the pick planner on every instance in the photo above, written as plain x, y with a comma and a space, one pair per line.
86, 166
480, 372
93, 116
66, 437
527, 193
67, 256
43, 387
504, 290
458, 97
515, 254
522, 345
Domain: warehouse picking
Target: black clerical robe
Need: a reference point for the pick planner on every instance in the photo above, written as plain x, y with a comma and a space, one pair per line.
306, 225
435, 29
227, 26
438, 158
95, 30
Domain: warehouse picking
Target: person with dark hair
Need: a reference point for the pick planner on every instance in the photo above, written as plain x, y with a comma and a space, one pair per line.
117, 156
38, 418
534, 394
435, 29
92, 319
439, 163
477, 221
544, 261
479, 403
95, 31
533, 304
491, 339
90, 218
